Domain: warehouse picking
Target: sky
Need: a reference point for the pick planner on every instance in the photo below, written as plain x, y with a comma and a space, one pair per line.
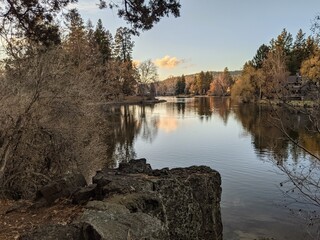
210, 34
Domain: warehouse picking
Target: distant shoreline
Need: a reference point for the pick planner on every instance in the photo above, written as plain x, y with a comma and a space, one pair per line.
132, 100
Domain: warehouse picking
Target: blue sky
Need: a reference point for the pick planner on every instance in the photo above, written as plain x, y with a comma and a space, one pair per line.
211, 34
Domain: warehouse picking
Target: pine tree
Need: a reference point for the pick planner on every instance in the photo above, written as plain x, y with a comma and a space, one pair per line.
200, 83
183, 84
180, 85
103, 39
207, 81
123, 45
283, 41
260, 56
77, 42
298, 53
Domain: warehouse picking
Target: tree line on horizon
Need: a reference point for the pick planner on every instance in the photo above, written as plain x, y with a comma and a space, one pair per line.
203, 83
266, 75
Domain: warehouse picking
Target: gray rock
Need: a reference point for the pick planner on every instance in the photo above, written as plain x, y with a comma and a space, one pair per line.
135, 166
141, 203
63, 187
84, 194
186, 201
111, 221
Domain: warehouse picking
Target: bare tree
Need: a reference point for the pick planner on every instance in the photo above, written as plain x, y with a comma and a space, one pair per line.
52, 121
276, 74
147, 75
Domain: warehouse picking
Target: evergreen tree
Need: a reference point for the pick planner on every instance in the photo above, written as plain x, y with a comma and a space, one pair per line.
183, 84
284, 44
283, 41
177, 87
103, 39
260, 56
227, 77
36, 19
311, 46
207, 81
123, 45
33, 20
200, 83
298, 53
130, 81
142, 15
180, 85
90, 31
91, 41
77, 42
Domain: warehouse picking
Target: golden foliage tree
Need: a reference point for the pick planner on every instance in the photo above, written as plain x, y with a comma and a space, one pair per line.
310, 68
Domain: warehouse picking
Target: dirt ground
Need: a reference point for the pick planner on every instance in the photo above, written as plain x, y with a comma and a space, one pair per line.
18, 217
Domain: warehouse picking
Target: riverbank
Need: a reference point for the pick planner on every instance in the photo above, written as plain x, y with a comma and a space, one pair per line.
132, 100
298, 104
130, 202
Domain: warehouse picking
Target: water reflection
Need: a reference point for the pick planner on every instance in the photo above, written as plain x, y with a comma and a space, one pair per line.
168, 124
183, 132
127, 122
267, 136
257, 121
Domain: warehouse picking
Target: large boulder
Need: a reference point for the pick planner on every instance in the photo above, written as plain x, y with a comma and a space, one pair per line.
112, 221
136, 202
185, 201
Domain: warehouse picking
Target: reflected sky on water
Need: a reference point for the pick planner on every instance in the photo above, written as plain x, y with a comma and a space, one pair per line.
242, 143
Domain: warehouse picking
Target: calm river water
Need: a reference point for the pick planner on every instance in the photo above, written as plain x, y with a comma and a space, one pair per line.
257, 164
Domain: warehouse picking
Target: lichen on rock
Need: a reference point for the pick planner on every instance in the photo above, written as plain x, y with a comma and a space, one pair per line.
136, 202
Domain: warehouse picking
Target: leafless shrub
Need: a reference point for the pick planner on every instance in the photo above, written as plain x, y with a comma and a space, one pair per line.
51, 119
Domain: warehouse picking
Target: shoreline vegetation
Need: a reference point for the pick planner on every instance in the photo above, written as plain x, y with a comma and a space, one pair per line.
299, 104
132, 100
284, 72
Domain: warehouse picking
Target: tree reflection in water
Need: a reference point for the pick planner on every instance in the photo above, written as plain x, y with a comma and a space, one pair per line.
302, 172
127, 123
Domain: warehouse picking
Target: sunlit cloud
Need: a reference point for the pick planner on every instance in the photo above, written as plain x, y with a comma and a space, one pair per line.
168, 62
168, 124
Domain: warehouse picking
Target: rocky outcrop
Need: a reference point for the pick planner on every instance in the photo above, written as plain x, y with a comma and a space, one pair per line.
136, 202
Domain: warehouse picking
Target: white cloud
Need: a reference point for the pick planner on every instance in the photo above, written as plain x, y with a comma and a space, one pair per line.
168, 62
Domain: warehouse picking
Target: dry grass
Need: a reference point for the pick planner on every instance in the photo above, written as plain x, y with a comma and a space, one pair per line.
17, 217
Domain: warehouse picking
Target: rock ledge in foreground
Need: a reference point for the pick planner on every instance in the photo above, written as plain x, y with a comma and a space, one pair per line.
136, 202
